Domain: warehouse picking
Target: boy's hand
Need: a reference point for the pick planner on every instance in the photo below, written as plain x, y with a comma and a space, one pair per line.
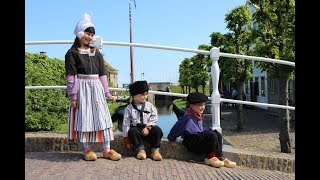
129, 147
173, 144
145, 131
128, 143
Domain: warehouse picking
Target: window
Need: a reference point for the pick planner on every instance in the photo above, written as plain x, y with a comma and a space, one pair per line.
246, 87
271, 86
263, 88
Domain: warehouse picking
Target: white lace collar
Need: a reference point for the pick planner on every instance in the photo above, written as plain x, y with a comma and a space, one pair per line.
86, 51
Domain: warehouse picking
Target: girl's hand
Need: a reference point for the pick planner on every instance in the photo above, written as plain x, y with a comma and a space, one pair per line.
113, 99
74, 104
145, 131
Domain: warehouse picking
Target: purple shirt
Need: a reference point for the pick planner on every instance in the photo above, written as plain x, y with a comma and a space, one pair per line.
186, 124
72, 86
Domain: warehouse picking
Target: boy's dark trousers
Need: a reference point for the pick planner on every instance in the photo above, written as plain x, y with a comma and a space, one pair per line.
204, 142
136, 136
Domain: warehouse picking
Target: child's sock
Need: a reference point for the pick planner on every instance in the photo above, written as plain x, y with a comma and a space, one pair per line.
106, 150
86, 147
106, 146
221, 158
141, 147
211, 155
154, 149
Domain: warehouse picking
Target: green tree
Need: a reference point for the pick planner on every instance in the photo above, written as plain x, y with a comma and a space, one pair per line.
274, 37
196, 72
236, 42
218, 39
47, 108
193, 72
184, 75
207, 62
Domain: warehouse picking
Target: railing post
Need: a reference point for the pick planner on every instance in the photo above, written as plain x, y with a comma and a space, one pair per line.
215, 96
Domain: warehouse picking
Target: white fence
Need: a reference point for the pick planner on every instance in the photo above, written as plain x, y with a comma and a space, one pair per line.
215, 73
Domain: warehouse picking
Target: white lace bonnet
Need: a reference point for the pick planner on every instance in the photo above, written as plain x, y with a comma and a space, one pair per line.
83, 24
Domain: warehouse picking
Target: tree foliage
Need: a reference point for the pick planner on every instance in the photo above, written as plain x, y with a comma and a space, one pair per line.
45, 108
185, 74
274, 37
235, 42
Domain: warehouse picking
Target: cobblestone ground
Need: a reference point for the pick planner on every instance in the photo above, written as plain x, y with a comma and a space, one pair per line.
260, 133
71, 166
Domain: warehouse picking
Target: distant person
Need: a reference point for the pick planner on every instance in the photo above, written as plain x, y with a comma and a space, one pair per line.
89, 118
139, 123
234, 95
196, 138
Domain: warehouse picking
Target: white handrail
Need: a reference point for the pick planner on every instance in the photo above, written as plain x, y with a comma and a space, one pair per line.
215, 72
170, 48
178, 95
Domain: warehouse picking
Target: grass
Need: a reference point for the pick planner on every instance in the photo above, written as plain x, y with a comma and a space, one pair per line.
181, 103
62, 128
177, 89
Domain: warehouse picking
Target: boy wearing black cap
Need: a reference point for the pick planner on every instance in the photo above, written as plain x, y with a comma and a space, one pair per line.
139, 123
196, 138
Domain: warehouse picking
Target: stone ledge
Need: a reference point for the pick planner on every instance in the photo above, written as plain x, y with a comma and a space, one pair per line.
51, 141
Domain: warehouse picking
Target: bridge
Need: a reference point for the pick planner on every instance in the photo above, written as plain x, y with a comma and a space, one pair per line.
159, 86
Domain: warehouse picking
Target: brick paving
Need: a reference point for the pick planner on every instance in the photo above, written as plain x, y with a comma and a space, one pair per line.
66, 164
71, 166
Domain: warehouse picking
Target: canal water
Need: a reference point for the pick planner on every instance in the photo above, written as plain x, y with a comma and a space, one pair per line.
166, 117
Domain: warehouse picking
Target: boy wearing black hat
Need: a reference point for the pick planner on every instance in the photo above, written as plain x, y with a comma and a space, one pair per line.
139, 123
196, 138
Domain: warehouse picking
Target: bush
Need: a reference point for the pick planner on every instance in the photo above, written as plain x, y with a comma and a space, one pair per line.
45, 109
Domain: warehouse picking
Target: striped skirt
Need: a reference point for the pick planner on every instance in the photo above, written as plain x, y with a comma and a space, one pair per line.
91, 121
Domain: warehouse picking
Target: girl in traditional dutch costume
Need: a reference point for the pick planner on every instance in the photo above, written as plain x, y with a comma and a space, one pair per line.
89, 118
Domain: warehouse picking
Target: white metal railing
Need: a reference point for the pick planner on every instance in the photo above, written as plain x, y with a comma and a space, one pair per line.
171, 48
177, 95
215, 72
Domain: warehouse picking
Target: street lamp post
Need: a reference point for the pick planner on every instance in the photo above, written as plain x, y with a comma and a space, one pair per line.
131, 48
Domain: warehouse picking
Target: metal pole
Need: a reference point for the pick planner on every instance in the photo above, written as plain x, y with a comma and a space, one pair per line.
131, 53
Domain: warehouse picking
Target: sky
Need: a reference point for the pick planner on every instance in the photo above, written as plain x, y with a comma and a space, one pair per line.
179, 23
